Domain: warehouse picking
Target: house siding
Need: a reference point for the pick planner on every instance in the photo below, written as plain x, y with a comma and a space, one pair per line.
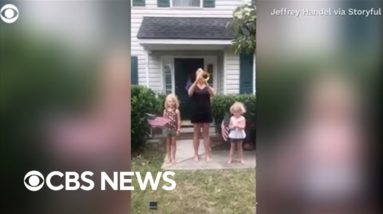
223, 8
221, 72
231, 75
155, 74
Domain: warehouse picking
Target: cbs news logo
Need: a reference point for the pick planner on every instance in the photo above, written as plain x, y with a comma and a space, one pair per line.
9, 13
70, 180
34, 181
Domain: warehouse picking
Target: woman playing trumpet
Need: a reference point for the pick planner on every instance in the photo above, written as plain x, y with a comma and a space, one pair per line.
201, 117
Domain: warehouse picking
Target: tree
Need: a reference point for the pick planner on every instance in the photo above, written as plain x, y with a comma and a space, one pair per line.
243, 27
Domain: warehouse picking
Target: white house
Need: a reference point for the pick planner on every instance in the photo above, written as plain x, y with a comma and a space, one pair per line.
170, 39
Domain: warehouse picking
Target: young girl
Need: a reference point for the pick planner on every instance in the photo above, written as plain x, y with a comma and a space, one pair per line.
172, 129
237, 130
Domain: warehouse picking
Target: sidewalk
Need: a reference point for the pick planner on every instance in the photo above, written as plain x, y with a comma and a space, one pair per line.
185, 160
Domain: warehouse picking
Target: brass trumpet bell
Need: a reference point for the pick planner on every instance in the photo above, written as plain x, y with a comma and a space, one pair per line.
206, 76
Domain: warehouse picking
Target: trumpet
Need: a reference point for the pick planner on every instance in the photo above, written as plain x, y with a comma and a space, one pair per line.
206, 76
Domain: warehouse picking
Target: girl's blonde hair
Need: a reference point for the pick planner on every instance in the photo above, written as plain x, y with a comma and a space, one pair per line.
171, 97
237, 106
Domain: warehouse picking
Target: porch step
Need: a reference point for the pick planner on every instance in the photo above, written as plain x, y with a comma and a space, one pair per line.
187, 131
187, 127
191, 129
187, 123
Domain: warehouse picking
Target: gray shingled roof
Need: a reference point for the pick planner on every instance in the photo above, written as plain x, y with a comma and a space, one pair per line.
184, 28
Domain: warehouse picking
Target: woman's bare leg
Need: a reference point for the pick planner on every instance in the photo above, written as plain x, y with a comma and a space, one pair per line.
196, 134
174, 149
232, 146
240, 151
168, 151
206, 140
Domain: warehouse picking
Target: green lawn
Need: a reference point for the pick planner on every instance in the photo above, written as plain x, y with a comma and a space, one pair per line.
207, 191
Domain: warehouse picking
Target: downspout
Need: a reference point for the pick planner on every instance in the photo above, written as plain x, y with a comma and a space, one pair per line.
254, 73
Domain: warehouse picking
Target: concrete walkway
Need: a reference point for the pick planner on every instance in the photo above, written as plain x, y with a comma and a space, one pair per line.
185, 160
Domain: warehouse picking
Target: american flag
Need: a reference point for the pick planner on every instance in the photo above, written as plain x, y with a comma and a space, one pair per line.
225, 127
156, 121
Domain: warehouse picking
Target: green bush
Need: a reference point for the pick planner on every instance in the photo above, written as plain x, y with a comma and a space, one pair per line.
161, 99
143, 100
221, 108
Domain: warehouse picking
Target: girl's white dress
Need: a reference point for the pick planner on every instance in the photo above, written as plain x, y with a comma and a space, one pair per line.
237, 134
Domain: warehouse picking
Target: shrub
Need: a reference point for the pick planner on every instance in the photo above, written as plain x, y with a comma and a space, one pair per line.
221, 108
143, 100
161, 100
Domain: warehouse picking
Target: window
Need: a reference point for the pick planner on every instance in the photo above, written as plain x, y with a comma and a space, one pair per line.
210, 71
168, 79
186, 3
138, 3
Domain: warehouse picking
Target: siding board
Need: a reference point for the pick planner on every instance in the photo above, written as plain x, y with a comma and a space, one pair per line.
231, 65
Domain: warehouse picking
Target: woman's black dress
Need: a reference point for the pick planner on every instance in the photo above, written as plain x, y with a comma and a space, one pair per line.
200, 106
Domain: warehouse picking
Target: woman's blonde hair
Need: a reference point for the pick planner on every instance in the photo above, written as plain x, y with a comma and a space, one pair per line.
171, 97
237, 106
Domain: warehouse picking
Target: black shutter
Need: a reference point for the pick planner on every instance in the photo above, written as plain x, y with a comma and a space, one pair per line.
246, 63
209, 3
138, 3
134, 70
163, 3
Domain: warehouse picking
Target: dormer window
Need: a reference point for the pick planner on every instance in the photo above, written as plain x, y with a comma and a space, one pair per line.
138, 3
186, 3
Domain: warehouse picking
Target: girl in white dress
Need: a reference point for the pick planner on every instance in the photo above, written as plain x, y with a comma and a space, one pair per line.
237, 130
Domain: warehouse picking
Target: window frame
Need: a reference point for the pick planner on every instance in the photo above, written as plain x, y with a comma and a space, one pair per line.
172, 81
185, 7
131, 4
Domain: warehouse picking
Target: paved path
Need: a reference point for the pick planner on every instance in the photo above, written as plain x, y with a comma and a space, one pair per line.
185, 160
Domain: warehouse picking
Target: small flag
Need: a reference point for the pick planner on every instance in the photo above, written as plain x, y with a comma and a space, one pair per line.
158, 121
225, 128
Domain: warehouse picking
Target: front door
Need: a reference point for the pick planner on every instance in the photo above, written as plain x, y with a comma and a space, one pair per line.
184, 68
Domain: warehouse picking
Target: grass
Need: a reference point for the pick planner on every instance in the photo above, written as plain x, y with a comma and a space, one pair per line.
201, 191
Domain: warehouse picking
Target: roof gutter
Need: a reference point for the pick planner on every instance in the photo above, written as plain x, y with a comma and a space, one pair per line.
185, 41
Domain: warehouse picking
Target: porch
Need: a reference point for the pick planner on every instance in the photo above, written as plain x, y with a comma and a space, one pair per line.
178, 46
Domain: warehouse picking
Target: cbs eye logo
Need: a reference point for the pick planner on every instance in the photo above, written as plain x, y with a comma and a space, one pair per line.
34, 181
9, 13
